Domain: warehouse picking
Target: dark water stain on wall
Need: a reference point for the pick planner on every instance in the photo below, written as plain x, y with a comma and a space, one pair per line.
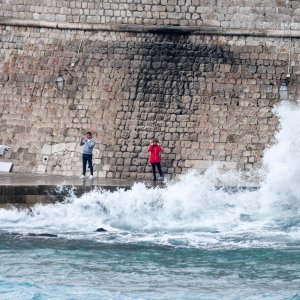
169, 86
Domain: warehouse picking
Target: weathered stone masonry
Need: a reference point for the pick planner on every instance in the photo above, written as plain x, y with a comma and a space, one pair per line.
207, 97
228, 14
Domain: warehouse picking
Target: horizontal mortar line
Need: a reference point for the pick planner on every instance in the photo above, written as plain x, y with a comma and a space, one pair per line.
159, 29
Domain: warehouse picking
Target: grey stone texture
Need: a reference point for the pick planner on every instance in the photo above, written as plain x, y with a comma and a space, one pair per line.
254, 14
207, 97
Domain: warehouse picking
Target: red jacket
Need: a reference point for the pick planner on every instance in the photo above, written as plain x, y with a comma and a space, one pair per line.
154, 153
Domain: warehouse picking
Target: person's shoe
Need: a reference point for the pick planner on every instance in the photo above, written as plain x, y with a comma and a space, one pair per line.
82, 176
91, 177
154, 178
161, 178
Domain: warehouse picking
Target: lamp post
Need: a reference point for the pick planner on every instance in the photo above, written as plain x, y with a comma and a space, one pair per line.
60, 82
283, 90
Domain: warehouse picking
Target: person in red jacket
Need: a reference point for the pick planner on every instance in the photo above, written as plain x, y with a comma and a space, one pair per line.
155, 149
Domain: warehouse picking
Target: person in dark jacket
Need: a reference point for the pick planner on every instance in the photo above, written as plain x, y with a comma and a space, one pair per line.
155, 149
87, 157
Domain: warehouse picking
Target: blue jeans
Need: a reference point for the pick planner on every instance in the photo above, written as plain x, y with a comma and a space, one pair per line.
87, 158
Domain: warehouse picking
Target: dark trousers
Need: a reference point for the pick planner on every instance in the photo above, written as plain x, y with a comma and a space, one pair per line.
154, 165
87, 158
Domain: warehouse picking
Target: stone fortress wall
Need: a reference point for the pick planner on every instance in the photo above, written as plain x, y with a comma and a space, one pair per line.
202, 76
253, 14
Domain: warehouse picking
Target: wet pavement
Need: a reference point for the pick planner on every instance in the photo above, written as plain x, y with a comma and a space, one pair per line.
21, 179
19, 189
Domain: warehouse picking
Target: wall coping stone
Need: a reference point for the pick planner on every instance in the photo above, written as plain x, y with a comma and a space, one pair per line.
163, 29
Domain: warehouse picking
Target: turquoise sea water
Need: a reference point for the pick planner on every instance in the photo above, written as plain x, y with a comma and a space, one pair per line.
38, 268
188, 240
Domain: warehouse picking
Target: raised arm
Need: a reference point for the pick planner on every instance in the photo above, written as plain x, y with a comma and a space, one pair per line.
91, 143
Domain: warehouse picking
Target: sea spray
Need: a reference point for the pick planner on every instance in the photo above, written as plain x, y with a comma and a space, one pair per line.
280, 191
196, 209
281, 186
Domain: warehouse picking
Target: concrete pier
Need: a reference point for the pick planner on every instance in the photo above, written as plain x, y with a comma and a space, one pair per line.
24, 190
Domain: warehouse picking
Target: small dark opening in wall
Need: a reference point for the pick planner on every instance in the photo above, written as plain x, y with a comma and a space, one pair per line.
45, 158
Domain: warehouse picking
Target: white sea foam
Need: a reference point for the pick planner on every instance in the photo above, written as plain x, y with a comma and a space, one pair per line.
190, 211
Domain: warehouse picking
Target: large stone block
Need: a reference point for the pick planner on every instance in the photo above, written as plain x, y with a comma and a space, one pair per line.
58, 148
41, 169
46, 149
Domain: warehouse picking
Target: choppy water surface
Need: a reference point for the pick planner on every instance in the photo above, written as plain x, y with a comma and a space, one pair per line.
189, 240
